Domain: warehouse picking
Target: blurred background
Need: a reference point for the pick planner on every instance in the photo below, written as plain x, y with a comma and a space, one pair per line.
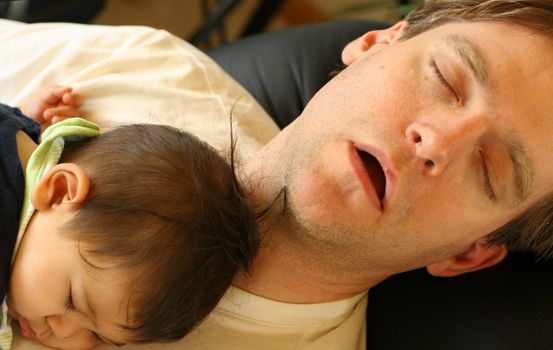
206, 23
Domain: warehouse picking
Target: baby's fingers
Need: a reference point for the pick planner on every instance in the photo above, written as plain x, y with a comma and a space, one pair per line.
72, 99
62, 112
57, 119
55, 95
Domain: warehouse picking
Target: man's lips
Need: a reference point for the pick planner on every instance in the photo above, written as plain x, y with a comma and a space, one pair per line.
372, 168
375, 172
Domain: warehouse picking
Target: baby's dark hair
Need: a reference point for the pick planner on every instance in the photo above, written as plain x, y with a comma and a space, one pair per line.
168, 208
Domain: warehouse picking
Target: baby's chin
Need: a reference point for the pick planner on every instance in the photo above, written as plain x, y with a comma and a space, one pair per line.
21, 324
14, 315
11, 311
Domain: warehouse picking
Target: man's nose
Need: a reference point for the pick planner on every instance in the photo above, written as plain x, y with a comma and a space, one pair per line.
62, 327
439, 146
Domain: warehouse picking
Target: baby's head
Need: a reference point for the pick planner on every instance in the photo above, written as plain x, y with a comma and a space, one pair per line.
137, 235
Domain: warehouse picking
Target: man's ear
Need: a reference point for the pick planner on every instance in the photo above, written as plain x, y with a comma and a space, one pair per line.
479, 256
359, 46
64, 183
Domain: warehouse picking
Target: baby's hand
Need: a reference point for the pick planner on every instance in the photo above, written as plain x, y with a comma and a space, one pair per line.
54, 105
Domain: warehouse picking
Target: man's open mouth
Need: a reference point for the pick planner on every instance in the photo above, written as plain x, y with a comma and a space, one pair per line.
375, 171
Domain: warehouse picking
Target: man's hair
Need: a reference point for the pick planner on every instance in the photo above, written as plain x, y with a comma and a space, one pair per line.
167, 210
532, 231
533, 14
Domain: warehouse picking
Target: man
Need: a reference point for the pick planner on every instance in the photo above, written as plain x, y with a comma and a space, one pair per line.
411, 157
435, 136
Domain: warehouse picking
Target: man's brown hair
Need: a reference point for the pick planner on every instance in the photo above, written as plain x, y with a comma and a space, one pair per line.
167, 209
536, 15
533, 230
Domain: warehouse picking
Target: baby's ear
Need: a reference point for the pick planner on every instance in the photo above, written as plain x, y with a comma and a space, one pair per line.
64, 183
479, 256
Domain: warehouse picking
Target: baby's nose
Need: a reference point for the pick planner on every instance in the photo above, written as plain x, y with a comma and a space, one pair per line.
61, 327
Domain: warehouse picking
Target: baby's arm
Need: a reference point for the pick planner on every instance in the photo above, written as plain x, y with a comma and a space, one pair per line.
53, 105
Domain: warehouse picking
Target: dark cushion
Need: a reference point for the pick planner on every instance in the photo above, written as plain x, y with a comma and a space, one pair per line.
507, 307
284, 69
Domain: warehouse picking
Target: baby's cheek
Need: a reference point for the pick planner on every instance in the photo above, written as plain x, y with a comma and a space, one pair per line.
83, 340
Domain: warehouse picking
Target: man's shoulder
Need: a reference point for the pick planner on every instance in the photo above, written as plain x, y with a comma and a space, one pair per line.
244, 320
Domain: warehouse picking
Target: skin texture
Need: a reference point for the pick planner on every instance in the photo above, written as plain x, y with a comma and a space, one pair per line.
442, 139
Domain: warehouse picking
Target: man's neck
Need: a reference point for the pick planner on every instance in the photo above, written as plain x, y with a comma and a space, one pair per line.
291, 274
289, 269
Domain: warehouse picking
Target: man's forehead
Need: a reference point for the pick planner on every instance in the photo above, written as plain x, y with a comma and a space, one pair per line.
471, 56
502, 52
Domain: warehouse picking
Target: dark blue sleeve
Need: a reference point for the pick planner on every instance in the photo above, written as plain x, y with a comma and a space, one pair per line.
28, 125
12, 184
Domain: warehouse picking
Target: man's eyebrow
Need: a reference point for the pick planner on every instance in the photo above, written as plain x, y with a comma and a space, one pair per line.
522, 170
470, 56
522, 175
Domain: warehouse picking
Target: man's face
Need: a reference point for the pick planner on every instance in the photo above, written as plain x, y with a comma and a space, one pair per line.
423, 146
56, 297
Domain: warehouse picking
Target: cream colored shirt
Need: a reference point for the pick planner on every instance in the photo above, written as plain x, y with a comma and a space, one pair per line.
136, 74
131, 74
246, 321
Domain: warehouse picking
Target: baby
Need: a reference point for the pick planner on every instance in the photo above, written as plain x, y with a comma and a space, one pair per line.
128, 236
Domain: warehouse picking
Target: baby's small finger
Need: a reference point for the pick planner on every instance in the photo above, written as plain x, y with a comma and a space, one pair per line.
61, 111
56, 119
48, 113
72, 99
55, 95
59, 91
71, 112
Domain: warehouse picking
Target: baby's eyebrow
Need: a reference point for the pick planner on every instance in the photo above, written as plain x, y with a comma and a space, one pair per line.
91, 311
90, 308
111, 341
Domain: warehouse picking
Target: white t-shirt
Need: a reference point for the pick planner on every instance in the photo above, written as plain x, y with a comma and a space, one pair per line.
133, 74
246, 321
